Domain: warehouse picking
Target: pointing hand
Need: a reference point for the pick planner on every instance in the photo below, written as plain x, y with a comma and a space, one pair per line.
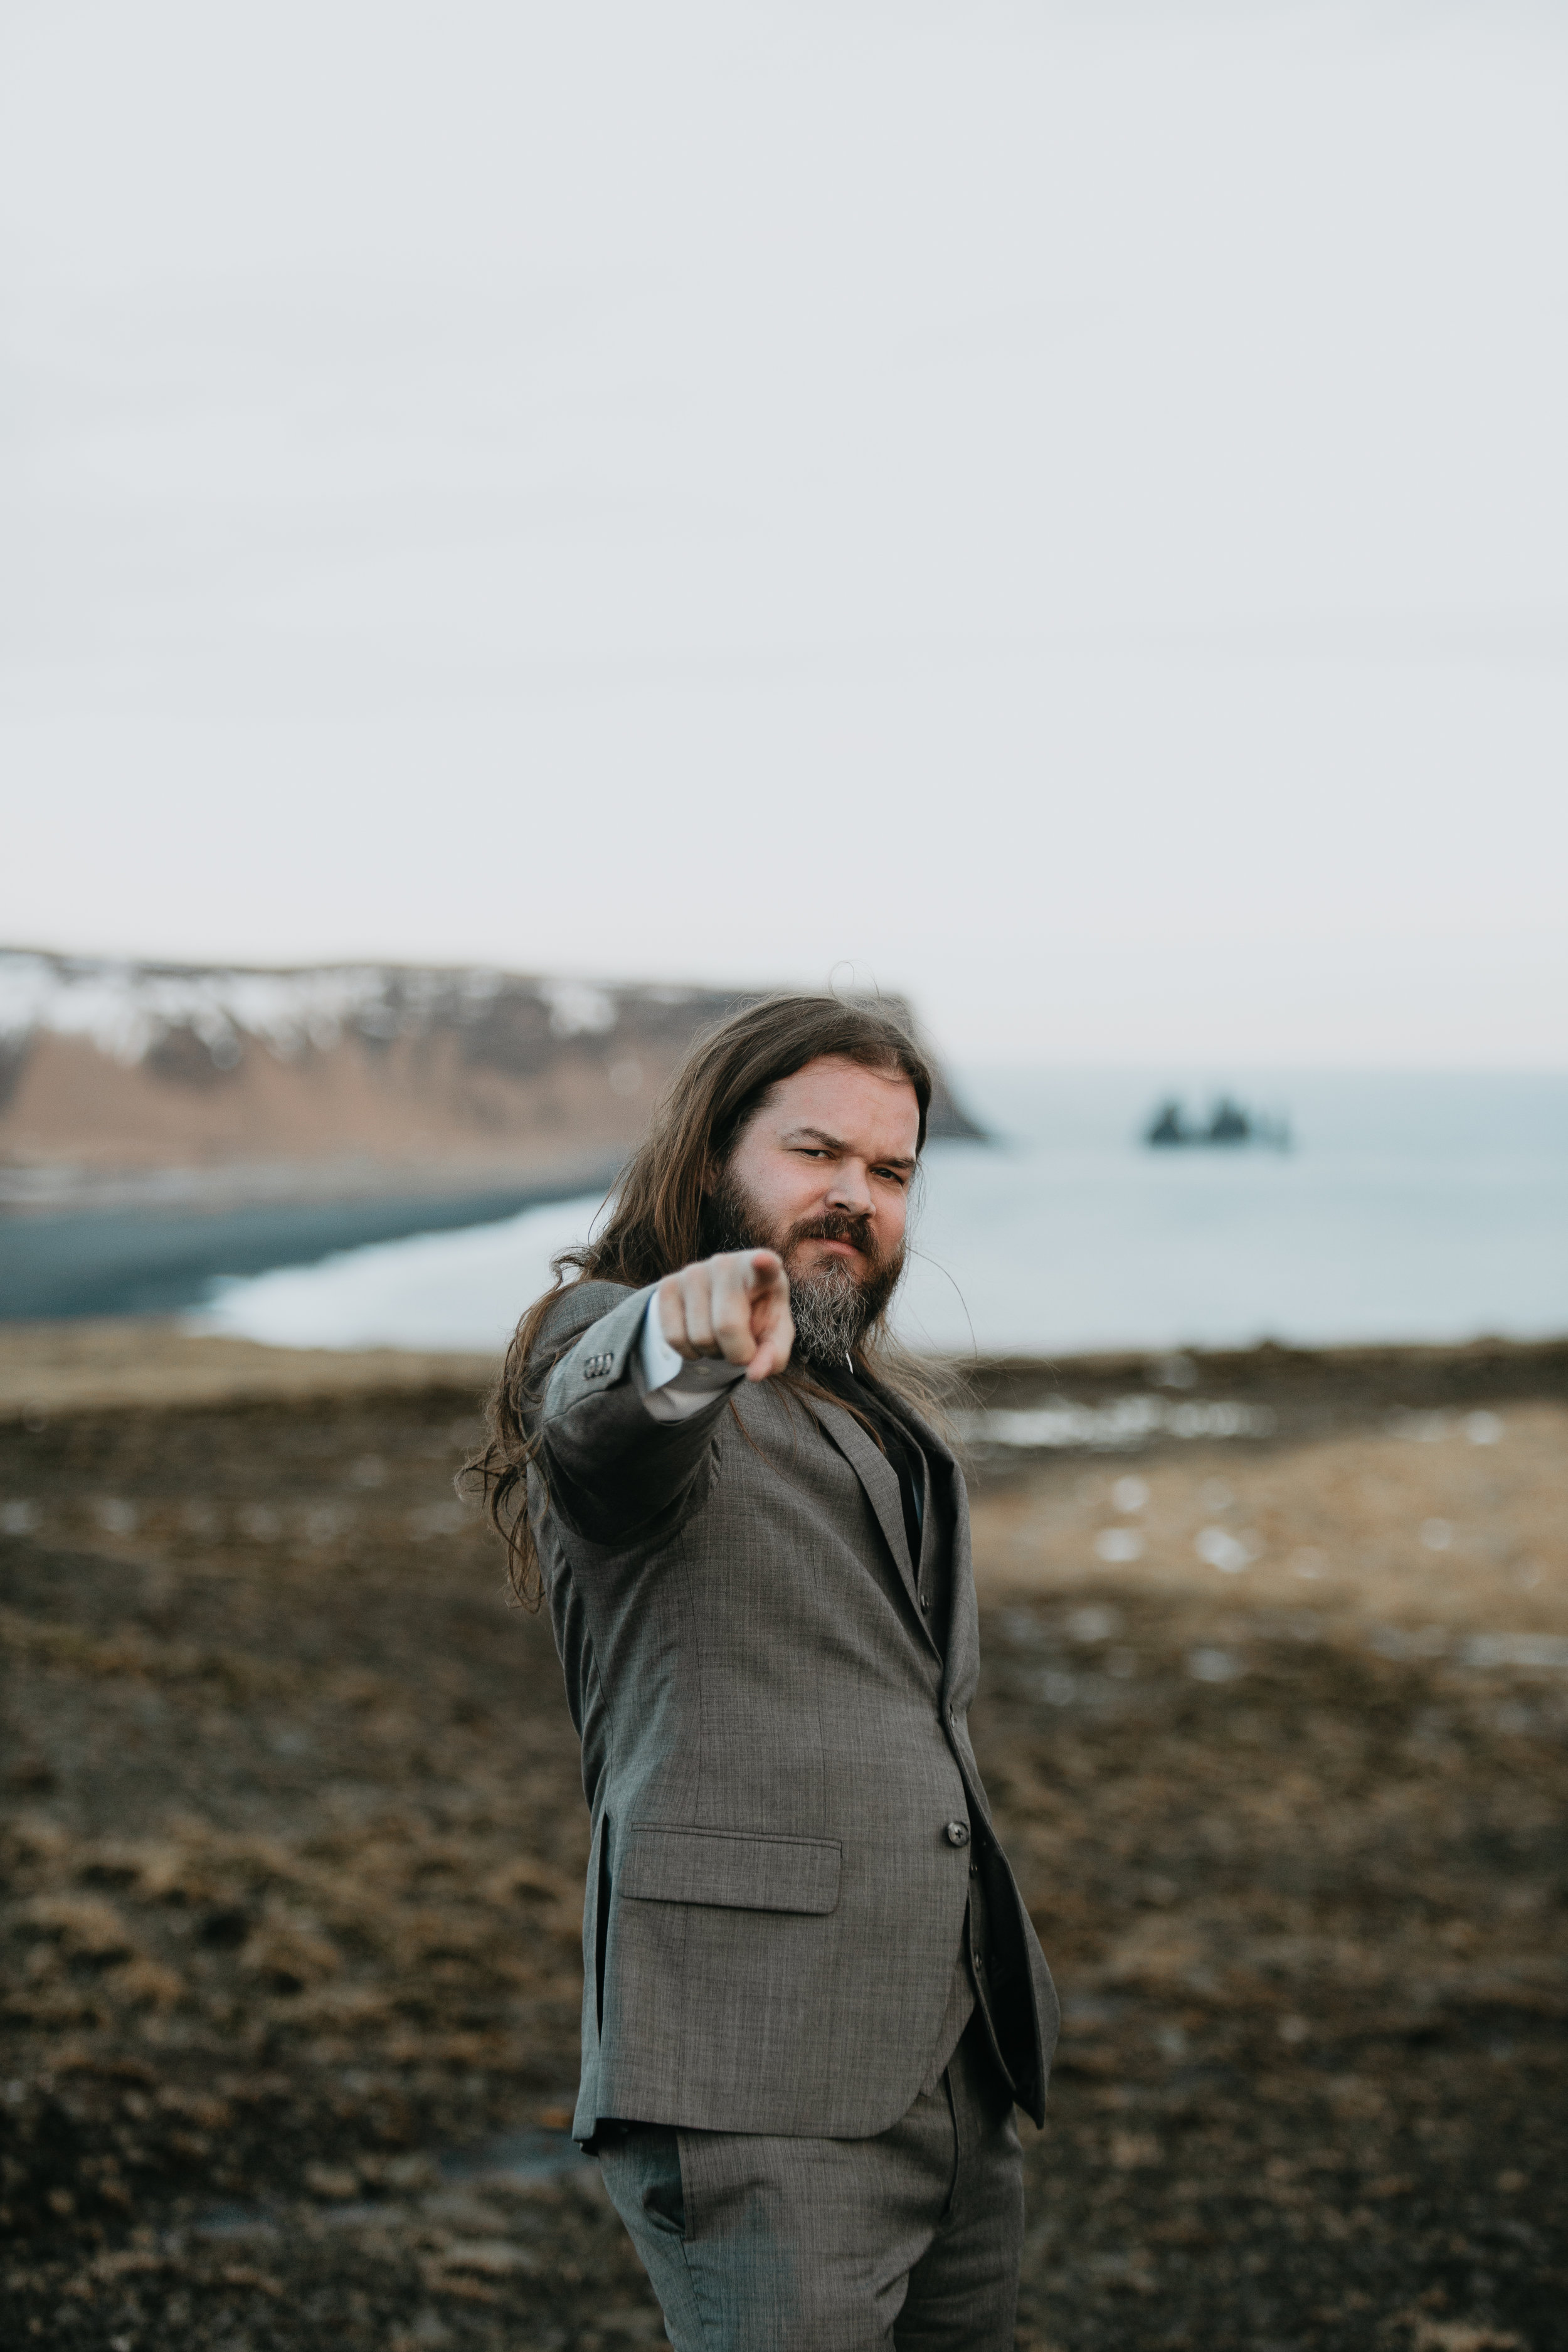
735, 1305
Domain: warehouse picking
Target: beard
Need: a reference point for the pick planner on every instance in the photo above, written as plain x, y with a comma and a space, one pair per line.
834, 1307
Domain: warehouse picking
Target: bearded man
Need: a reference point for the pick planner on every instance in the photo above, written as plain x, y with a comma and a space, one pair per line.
811, 1994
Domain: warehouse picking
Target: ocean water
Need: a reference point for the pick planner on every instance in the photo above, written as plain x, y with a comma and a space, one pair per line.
1411, 1207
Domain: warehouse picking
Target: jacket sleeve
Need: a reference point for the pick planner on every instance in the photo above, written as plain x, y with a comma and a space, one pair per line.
609, 1467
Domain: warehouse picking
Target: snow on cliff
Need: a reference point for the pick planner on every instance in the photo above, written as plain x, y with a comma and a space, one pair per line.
127, 1009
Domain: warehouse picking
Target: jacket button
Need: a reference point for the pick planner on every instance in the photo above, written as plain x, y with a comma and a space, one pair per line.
958, 1832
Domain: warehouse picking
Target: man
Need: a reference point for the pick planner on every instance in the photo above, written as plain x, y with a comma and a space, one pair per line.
811, 1994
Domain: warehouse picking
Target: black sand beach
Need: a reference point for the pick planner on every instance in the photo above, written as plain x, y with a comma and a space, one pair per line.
293, 1843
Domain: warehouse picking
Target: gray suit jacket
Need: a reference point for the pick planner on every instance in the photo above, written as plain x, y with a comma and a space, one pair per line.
772, 1752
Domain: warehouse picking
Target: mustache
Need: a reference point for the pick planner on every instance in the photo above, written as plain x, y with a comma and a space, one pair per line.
836, 1226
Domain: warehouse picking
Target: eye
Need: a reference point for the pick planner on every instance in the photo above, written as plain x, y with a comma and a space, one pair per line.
899, 1176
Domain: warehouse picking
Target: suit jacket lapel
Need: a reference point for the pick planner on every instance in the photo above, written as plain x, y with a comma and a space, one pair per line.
962, 1645
880, 1481
961, 1654
878, 1476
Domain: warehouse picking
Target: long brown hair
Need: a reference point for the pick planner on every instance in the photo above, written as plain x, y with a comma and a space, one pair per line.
657, 1221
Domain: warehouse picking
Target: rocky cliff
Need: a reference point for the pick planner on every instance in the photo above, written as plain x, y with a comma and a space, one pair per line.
124, 1081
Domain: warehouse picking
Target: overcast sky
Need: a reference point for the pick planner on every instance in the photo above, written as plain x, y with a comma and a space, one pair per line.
1061, 510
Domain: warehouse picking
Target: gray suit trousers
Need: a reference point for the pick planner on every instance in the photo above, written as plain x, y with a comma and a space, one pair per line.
909, 2240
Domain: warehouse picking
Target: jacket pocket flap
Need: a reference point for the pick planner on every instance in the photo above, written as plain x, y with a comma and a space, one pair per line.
729, 1868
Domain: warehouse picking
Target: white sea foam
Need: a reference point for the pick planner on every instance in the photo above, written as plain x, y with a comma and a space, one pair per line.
463, 1290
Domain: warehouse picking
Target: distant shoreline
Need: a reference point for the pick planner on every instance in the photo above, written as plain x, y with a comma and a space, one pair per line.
163, 1260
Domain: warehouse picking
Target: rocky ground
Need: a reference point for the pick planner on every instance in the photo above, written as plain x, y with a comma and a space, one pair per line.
1276, 1730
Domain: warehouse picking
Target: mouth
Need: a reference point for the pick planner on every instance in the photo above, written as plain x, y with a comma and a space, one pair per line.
823, 1250
835, 1241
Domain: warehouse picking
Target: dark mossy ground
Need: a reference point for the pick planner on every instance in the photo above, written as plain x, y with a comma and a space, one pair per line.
293, 1839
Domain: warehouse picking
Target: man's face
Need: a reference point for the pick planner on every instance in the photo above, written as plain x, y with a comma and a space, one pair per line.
822, 1174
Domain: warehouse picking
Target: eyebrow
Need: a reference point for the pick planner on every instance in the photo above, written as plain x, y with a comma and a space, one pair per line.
837, 1144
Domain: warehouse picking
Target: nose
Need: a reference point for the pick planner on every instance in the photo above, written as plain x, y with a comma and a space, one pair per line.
850, 1193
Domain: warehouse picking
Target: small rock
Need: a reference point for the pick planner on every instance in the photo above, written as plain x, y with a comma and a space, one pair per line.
333, 2182
491, 2257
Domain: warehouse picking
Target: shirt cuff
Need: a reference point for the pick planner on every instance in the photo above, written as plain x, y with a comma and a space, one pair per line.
675, 1387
